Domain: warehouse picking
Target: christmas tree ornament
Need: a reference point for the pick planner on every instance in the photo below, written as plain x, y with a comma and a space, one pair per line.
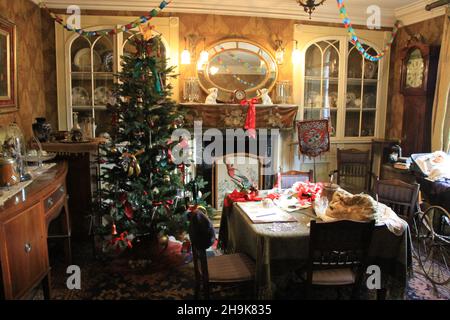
166, 178
113, 229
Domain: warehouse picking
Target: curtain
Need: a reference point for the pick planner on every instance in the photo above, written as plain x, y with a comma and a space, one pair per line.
440, 114
446, 137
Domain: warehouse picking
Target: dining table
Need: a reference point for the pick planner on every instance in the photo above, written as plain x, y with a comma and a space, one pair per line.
288, 242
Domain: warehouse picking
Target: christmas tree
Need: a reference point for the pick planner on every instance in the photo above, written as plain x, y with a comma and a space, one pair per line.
145, 190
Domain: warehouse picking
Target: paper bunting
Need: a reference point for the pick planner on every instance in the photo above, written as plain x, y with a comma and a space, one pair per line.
134, 24
355, 40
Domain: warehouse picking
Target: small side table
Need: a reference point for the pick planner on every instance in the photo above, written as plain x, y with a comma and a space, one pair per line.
82, 180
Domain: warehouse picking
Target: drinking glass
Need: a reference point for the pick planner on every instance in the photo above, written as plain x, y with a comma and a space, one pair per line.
283, 91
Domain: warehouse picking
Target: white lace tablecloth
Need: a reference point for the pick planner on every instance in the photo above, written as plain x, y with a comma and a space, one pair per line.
9, 192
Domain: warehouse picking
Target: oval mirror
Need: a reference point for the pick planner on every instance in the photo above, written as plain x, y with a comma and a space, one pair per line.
237, 65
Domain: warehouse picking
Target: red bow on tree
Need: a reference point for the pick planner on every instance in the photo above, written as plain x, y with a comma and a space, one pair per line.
250, 121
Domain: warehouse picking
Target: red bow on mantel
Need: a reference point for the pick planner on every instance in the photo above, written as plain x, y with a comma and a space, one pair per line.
250, 121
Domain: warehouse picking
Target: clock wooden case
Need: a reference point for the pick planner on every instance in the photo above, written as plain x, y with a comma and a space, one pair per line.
418, 83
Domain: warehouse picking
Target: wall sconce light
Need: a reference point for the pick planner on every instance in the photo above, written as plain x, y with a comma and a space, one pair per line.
279, 53
190, 50
186, 54
204, 56
296, 55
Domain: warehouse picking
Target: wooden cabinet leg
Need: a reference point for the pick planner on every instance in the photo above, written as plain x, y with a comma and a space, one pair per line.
67, 231
47, 287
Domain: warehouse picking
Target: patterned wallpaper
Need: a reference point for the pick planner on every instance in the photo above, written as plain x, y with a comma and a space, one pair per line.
33, 82
432, 31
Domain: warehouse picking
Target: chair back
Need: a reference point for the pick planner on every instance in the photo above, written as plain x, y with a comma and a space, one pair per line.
202, 236
340, 244
289, 178
353, 169
400, 196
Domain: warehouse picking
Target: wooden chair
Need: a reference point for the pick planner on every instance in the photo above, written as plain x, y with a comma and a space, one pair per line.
289, 178
225, 269
338, 253
353, 170
400, 196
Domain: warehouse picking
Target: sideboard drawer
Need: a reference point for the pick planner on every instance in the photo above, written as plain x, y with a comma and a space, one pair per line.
54, 198
26, 248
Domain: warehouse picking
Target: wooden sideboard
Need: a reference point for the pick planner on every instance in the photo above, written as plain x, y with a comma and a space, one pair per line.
24, 221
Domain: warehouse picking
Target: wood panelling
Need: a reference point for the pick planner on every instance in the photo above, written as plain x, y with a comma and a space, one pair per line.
432, 31
32, 54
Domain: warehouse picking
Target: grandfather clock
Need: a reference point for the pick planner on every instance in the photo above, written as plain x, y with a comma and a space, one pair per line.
418, 83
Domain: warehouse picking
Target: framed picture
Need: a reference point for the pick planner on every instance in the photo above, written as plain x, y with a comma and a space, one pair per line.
8, 67
246, 165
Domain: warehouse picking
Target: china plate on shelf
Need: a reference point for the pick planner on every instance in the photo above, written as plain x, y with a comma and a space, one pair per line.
370, 100
80, 96
102, 96
351, 97
108, 61
332, 99
370, 69
82, 60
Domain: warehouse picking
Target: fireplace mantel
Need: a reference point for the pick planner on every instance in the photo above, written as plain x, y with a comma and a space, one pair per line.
224, 116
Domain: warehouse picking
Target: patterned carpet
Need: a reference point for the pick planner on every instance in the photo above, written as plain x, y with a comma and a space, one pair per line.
171, 277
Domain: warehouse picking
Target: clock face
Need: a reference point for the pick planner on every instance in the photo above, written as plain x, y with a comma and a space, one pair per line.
415, 68
240, 95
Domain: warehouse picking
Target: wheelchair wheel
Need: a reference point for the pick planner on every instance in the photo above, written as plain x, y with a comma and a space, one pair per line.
433, 244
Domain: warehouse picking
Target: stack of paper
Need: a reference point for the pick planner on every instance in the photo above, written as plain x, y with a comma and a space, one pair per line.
258, 214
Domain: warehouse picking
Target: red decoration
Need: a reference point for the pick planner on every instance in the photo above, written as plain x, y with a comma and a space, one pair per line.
122, 238
307, 192
129, 212
250, 121
237, 196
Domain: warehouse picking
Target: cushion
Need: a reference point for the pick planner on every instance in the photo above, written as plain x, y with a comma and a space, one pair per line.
201, 230
333, 277
231, 268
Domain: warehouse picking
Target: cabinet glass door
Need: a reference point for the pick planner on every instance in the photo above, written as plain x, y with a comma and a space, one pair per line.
322, 81
361, 97
92, 78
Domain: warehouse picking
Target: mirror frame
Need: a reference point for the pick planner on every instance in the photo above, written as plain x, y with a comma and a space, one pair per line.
251, 93
9, 103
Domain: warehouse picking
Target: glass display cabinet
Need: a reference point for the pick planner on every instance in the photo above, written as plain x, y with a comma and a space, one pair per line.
334, 81
86, 68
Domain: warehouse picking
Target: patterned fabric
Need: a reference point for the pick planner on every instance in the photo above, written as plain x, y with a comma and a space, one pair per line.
313, 137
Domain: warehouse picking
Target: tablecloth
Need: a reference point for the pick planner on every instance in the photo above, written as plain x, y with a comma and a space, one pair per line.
290, 242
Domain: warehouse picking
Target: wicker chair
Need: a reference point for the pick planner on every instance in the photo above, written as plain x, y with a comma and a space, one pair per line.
289, 178
337, 254
229, 269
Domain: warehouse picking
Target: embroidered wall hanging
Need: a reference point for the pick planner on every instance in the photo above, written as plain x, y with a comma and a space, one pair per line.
313, 137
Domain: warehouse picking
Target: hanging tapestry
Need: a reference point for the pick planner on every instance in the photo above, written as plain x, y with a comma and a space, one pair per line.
313, 137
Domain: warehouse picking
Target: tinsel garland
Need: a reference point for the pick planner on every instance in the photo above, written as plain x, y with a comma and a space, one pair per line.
136, 23
355, 40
